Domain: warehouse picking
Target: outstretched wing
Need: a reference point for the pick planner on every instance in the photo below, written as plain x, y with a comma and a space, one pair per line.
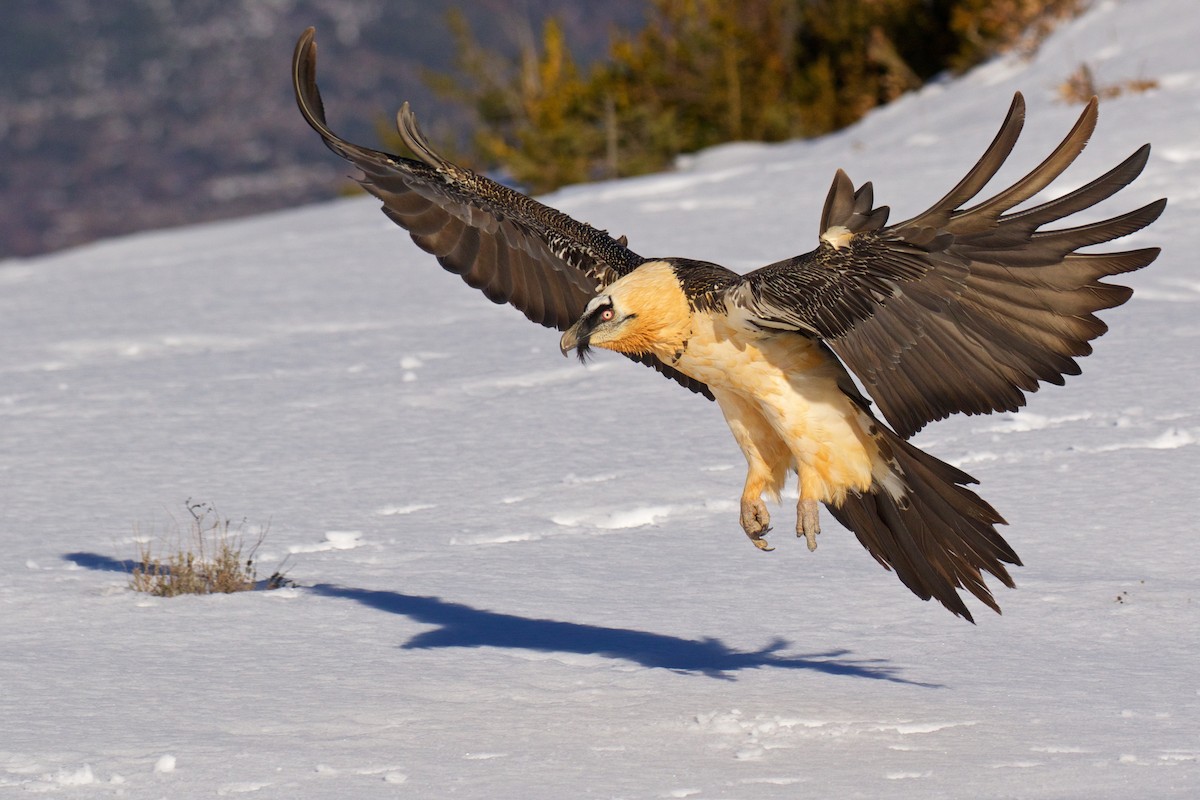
513, 248
959, 309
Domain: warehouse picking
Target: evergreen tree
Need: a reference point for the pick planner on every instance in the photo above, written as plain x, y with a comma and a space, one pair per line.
702, 72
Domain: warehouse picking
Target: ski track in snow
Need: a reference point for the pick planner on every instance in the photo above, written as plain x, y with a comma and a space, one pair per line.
604, 521
772, 737
1127, 430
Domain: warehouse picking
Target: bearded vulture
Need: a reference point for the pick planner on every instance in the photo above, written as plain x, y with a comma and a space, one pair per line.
957, 310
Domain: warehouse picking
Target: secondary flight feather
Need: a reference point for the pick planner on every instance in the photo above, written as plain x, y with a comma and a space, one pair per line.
961, 309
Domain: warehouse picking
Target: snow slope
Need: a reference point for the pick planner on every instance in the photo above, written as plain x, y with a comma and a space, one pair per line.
519, 577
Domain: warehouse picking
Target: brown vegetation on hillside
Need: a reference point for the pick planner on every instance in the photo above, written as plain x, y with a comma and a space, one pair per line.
702, 72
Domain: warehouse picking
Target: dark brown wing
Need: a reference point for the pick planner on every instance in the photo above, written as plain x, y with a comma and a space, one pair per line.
959, 309
513, 248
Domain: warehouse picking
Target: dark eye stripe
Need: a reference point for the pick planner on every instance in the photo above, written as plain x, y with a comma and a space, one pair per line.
598, 314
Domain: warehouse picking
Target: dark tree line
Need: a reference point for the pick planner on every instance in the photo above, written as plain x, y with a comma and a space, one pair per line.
702, 72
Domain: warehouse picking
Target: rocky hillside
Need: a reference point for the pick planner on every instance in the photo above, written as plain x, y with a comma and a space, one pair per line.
135, 114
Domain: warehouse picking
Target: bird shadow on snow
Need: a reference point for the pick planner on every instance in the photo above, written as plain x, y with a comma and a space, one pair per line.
461, 625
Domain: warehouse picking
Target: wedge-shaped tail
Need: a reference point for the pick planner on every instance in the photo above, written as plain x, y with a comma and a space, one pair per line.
938, 537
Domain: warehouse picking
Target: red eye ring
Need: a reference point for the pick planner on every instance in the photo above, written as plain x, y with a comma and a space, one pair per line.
606, 315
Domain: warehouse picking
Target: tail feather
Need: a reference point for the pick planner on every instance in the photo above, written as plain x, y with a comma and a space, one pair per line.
938, 536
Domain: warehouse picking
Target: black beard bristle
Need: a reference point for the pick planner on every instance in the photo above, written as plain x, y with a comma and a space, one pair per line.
583, 351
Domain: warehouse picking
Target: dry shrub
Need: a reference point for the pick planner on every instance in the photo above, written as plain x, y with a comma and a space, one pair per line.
1081, 86
211, 556
989, 27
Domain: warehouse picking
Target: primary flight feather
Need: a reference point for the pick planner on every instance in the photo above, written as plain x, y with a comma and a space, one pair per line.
959, 309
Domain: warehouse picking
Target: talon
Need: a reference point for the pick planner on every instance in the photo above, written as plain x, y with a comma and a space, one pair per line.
756, 522
808, 522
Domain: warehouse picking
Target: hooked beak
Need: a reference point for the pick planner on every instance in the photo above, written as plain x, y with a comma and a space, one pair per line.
574, 339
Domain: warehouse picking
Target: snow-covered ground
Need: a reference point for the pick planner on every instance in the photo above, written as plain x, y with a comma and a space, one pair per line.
520, 577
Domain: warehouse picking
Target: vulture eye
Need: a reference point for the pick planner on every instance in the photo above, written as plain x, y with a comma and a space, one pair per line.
606, 315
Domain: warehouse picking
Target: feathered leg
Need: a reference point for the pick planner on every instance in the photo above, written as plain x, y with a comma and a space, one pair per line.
808, 519
767, 461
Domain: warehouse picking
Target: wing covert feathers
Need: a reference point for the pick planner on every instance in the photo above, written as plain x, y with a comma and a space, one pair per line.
537, 259
960, 309
504, 243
